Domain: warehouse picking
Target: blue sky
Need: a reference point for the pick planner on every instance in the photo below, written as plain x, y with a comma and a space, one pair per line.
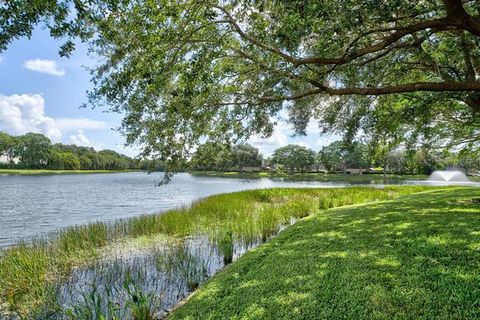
42, 92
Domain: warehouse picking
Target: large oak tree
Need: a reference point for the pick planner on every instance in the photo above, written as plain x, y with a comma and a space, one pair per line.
183, 71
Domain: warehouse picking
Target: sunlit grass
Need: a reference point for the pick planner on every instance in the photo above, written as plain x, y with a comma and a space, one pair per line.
29, 272
416, 257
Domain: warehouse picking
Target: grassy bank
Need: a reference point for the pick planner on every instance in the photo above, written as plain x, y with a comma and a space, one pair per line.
30, 274
47, 172
310, 176
416, 257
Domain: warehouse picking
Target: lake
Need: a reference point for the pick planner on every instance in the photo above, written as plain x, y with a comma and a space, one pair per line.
33, 206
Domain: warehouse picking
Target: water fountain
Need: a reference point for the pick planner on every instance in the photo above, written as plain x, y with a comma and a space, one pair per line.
448, 176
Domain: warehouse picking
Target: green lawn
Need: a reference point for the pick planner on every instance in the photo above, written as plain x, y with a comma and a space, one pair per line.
417, 257
45, 172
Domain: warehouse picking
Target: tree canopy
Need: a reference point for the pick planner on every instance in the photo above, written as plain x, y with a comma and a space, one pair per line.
246, 155
220, 157
183, 71
294, 156
36, 151
338, 154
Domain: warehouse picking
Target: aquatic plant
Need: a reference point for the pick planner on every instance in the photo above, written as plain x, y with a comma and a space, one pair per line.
185, 262
226, 246
111, 289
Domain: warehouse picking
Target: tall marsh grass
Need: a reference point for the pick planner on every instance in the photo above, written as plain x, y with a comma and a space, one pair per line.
31, 273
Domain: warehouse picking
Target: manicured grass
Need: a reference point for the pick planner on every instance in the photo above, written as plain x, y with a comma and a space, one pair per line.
416, 257
31, 273
46, 172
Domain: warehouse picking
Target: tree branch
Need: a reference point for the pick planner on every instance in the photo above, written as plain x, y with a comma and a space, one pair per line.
404, 88
457, 18
251, 39
376, 91
460, 18
437, 24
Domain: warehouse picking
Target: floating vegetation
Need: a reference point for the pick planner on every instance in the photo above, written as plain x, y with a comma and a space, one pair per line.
140, 268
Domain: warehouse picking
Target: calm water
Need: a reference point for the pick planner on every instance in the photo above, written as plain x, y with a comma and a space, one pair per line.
36, 205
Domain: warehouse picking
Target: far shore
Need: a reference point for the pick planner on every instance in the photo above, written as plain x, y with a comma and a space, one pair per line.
49, 172
305, 175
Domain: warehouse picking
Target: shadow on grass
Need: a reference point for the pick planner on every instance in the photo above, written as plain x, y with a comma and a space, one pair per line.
417, 257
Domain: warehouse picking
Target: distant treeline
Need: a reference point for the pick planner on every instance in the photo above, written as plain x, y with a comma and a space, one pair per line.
338, 156
36, 151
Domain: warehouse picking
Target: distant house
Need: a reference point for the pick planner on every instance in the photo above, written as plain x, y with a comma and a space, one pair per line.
358, 170
4, 159
355, 170
318, 168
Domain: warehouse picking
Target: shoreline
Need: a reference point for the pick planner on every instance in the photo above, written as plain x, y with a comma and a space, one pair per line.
320, 176
256, 215
35, 172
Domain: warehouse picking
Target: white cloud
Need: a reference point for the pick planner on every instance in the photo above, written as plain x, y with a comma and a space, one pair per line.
70, 124
302, 144
44, 66
325, 140
1, 59
24, 113
312, 128
279, 138
80, 139
131, 151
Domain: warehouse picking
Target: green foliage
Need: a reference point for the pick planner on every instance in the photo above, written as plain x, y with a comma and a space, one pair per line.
63, 161
8, 144
184, 71
35, 151
211, 156
226, 245
342, 155
378, 151
468, 160
219, 157
294, 156
245, 155
331, 156
33, 172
